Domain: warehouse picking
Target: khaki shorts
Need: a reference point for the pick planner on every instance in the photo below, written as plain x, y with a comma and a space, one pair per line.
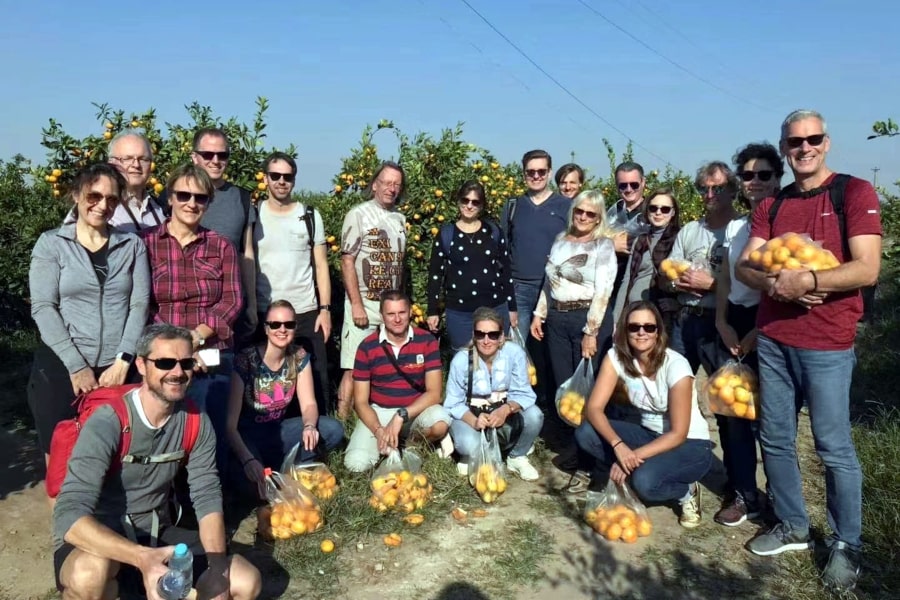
362, 449
352, 336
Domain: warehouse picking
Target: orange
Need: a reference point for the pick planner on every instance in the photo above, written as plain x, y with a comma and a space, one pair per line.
666, 264
644, 527
751, 412
792, 263
774, 244
739, 409
766, 260
781, 255
755, 257
613, 532
727, 394
629, 535
626, 521
794, 243
327, 546
298, 527
805, 254
741, 394
720, 381
775, 268
602, 526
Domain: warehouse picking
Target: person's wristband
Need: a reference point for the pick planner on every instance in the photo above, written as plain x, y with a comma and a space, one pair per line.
815, 281
616, 444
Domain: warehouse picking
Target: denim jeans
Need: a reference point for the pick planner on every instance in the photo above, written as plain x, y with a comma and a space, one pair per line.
460, 325
210, 393
527, 294
661, 478
821, 379
466, 439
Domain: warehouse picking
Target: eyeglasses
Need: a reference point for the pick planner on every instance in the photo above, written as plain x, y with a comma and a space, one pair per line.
491, 335
288, 177
812, 140
144, 160
391, 185
208, 156
659, 208
715, 189
648, 327
167, 364
536, 173
629, 184
186, 196
748, 176
588, 214
95, 197
289, 325
470, 202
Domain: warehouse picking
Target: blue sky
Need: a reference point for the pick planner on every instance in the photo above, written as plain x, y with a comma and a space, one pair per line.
330, 68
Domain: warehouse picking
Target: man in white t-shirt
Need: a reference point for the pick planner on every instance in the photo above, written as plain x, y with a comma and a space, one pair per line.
292, 264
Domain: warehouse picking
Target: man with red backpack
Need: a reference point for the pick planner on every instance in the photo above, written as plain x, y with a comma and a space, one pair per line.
112, 510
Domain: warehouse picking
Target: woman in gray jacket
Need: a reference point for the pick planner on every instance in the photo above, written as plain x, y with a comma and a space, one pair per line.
90, 290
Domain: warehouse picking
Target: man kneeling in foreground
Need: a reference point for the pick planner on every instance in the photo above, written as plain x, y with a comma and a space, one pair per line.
97, 505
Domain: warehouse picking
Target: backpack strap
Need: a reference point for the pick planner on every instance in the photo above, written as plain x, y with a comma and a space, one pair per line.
122, 407
191, 427
188, 441
835, 195
510, 214
309, 219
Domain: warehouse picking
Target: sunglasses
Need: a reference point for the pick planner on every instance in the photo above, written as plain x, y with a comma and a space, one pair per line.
659, 208
288, 177
167, 364
588, 214
183, 197
95, 197
715, 189
748, 176
208, 156
278, 324
470, 202
536, 173
629, 184
648, 327
812, 140
491, 335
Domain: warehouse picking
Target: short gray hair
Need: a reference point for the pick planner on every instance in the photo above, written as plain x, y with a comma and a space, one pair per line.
129, 133
717, 166
161, 331
799, 115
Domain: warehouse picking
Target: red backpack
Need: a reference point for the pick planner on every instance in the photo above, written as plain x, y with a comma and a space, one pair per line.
65, 434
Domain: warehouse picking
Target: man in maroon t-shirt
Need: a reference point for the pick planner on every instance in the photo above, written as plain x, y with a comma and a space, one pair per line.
807, 325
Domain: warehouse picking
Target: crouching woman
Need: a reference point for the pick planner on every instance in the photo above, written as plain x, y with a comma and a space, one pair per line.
668, 451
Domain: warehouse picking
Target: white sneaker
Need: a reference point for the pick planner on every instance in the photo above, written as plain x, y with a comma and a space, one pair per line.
462, 468
445, 448
530, 451
521, 466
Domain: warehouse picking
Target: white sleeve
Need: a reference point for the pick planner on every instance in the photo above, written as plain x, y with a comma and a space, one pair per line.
677, 368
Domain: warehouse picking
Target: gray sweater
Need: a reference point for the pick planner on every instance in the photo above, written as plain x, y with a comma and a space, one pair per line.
84, 323
134, 489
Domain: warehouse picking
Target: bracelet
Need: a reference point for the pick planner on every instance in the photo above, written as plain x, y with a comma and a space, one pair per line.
815, 281
617, 443
248, 461
309, 426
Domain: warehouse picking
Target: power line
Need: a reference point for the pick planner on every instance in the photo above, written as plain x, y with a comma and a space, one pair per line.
677, 65
561, 86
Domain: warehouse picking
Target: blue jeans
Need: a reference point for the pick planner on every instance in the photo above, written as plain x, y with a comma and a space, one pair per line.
820, 379
527, 294
466, 439
210, 393
661, 478
696, 338
460, 325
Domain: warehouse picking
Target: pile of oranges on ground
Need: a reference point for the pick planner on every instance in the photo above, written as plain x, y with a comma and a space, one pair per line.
791, 251
400, 490
734, 394
618, 522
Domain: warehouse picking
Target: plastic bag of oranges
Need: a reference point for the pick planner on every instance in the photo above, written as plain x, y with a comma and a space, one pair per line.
617, 514
673, 268
316, 477
733, 391
292, 510
398, 483
487, 473
792, 251
574, 392
516, 338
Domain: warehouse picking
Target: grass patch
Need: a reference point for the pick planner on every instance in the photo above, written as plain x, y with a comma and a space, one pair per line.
514, 559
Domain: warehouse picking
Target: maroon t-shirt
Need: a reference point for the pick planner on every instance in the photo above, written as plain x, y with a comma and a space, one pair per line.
831, 325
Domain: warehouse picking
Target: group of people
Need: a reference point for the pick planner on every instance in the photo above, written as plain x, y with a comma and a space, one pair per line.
200, 287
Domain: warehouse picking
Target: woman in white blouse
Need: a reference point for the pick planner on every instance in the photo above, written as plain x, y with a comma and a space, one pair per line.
665, 454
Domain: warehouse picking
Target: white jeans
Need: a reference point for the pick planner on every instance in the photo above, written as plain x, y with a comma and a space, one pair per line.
362, 449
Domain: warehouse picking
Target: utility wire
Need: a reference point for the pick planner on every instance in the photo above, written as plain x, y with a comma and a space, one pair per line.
677, 65
563, 87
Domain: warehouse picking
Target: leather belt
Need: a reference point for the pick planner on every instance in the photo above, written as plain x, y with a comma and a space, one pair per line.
570, 306
697, 311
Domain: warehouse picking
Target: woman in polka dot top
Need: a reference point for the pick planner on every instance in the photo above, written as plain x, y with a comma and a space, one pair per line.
470, 268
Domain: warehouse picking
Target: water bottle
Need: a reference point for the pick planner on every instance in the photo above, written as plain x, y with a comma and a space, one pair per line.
176, 584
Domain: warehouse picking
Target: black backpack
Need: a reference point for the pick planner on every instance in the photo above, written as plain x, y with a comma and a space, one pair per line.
836, 194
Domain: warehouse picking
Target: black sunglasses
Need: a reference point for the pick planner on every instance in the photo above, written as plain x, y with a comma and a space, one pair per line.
536, 173
629, 184
167, 364
491, 335
715, 189
186, 196
95, 197
812, 140
289, 177
648, 327
748, 176
586, 213
208, 156
654, 208
470, 202
278, 324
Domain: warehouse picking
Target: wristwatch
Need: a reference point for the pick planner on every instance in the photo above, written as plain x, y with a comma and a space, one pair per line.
404, 414
129, 358
325, 307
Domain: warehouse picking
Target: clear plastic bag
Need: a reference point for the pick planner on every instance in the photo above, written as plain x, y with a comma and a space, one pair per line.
673, 268
733, 391
516, 338
487, 473
792, 251
292, 510
316, 477
399, 483
617, 514
574, 392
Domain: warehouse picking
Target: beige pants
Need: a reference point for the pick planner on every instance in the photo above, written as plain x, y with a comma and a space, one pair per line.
362, 449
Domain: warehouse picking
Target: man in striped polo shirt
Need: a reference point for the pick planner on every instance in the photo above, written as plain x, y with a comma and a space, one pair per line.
397, 382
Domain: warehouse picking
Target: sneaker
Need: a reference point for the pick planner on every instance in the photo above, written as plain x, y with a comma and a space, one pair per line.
521, 466
462, 468
579, 483
736, 512
842, 569
780, 539
445, 448
690, 509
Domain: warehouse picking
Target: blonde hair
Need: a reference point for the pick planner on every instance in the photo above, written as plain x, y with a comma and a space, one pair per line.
598, 205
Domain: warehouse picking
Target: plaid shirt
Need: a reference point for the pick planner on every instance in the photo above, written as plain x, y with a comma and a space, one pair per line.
197, 284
